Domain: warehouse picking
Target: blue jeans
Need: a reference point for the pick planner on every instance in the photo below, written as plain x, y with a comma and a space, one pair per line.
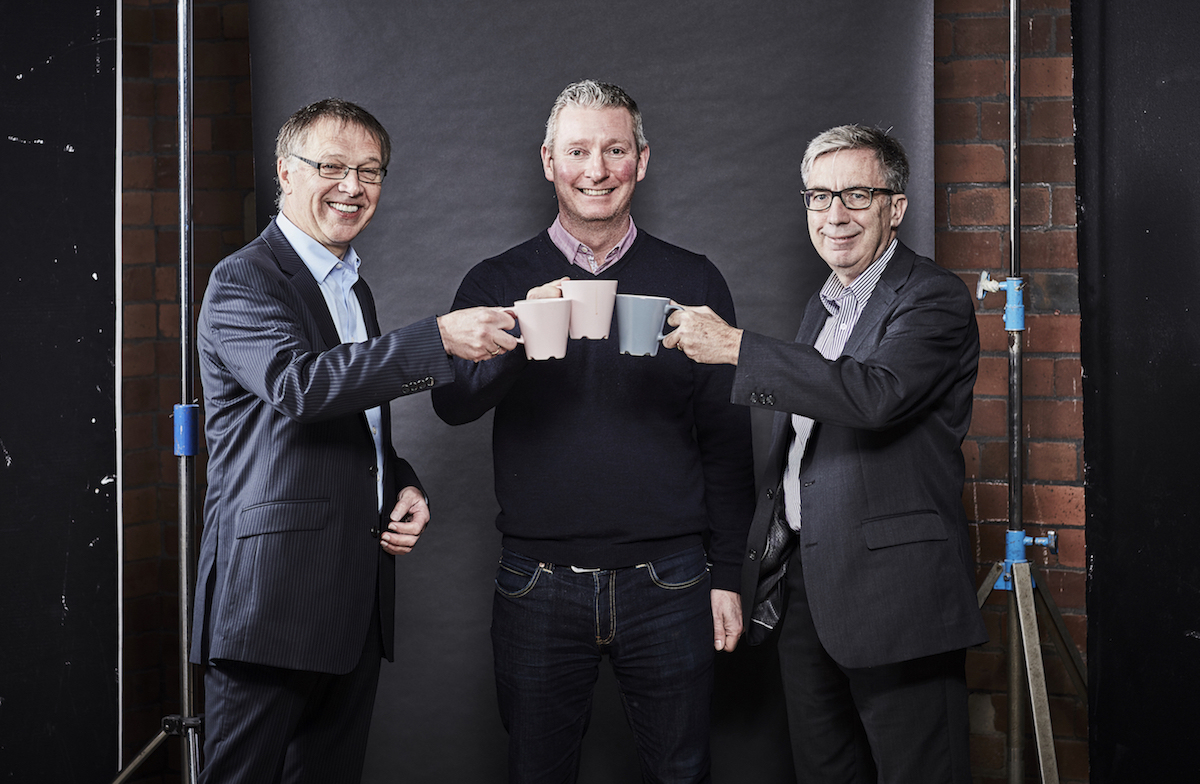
551, 624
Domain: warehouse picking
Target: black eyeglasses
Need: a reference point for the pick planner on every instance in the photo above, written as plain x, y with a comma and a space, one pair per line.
338, 171
819, 199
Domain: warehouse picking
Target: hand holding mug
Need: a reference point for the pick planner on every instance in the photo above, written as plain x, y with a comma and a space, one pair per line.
703, 335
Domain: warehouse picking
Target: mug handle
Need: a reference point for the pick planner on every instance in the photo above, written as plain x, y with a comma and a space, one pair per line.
670, 307
513, 313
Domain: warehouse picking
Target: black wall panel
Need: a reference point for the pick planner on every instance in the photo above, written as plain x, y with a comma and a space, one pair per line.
1137, 88
58, 446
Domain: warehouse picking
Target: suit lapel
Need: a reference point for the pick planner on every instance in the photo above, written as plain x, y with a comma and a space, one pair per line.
310, 291
886, 291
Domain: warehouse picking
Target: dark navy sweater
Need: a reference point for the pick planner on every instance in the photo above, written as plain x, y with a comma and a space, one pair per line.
603, 459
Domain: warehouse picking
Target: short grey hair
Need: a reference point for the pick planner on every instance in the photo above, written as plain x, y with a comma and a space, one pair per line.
294, 133
888, 151
591, 94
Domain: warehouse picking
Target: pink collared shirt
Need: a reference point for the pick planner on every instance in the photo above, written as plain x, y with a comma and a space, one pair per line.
582, 256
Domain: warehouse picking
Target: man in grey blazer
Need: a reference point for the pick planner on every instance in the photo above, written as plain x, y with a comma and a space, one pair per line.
873, 401
308, 503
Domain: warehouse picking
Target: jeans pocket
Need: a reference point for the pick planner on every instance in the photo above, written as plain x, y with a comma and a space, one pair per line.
680, 571
515, 579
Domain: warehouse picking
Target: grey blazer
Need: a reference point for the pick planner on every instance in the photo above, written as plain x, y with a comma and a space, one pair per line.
290, 568
884, 539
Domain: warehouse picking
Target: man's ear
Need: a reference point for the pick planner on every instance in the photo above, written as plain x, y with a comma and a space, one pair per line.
547, 164
899, 205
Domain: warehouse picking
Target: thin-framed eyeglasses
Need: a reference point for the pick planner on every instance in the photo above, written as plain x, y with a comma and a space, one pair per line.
339, 171
820, 199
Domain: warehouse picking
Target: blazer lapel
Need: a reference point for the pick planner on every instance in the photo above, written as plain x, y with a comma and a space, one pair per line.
310, 291
886, 291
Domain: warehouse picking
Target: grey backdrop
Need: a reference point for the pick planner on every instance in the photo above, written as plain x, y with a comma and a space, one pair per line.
731, 92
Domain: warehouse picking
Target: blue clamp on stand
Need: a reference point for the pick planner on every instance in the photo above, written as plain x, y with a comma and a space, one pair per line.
187, 429
1014, 309
1015, 543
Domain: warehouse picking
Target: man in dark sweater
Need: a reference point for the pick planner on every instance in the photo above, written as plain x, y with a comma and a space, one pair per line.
625, 483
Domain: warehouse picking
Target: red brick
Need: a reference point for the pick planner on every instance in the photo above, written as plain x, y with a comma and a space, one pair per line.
993, 459
1068, 378
1062, 206
224, 58
1053, 418
1053, 461
1053, 506
979, 207
1047, 163
1037, 377
1053, 249
212, 98
137, 503
136, 25
137, 283
969, 250
969, 163
974, 36
206, 22
970, 79
985, 501
970, 451
137, 172
994, 122
137, 359
1062, 34
164, 60
166, 283
993, 377
135, 61
944, 7
955, 122
137, 98
138, 321
992, 336
943, 38
1053, 334
988, 418
1035, 206
1037, 35
1067, 589
1051, 120
1046, 76
137, 246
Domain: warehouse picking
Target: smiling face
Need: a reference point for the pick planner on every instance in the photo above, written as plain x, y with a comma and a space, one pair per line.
332, 212
850, 240
594, 166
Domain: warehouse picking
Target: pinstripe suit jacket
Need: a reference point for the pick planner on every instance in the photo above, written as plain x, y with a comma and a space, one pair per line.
290, 563
883, 535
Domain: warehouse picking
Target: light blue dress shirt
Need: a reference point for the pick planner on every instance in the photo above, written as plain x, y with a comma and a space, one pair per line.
337, 277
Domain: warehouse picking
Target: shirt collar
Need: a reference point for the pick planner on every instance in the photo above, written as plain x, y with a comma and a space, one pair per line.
834, 294
572, 247
319, 259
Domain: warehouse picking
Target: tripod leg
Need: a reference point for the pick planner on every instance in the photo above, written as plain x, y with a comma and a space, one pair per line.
1039, 702
989, 582
1062, 638
146, 751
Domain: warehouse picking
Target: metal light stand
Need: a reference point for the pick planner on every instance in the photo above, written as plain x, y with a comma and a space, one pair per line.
186, 725
1015, 574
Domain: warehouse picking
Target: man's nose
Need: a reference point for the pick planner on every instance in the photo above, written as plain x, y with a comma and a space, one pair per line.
351, 185
597, 168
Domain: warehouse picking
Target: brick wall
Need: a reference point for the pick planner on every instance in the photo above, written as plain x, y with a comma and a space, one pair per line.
222, 179
971, 124
971, 45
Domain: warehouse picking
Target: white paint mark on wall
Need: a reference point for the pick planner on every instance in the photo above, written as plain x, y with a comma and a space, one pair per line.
7, 457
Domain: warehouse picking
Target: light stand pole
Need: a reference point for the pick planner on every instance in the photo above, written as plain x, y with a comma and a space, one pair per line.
185, 725
1015, 574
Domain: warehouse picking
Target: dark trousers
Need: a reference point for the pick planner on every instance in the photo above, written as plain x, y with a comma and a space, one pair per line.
268, 725
551, 625
902, 723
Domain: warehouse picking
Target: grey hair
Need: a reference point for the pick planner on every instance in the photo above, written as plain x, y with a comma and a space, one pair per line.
294, 133
590, 94
888, 151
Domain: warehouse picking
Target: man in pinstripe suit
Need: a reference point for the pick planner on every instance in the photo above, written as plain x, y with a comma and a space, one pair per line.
308, 503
